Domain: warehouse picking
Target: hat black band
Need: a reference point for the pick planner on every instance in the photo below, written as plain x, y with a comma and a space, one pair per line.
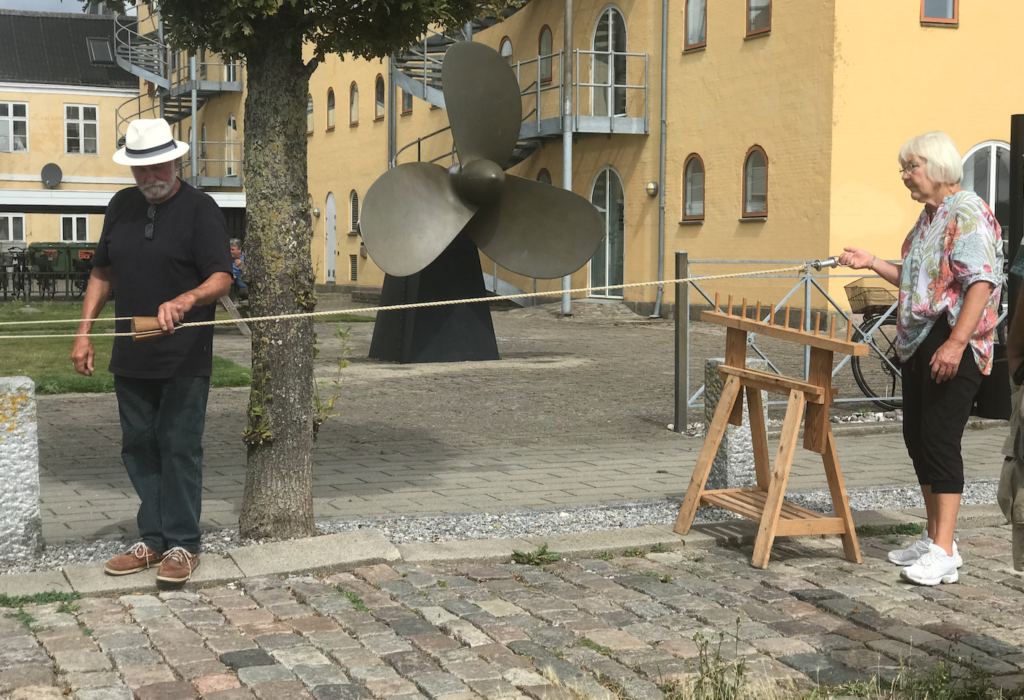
155, 150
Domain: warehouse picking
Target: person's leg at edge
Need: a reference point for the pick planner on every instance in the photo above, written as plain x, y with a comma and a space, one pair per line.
181, 424
138, 403
912, 429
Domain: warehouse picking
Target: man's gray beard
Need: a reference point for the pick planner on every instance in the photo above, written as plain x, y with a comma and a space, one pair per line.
156, 190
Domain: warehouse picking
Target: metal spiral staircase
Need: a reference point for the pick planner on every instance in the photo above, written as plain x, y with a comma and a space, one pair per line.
174, 77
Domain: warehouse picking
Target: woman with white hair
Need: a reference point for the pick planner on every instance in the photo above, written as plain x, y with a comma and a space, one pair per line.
949, 281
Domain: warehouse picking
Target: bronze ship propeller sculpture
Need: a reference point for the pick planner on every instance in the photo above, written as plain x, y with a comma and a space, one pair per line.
422, 223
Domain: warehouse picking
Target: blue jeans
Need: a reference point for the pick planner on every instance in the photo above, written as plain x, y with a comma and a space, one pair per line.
162, 423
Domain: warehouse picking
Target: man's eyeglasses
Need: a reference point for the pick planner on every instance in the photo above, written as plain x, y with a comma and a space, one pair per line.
909, 168
152, 219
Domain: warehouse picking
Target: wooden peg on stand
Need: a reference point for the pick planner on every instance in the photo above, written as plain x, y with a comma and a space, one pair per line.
716, 302
730, 304
817, 322
771, 315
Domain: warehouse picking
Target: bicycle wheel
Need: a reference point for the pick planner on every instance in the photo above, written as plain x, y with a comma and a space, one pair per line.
880, 379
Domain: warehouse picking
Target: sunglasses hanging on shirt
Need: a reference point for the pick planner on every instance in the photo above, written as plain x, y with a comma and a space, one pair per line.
151, 213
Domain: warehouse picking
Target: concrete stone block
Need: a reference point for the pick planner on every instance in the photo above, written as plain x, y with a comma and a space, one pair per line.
343, 551
498, 550
35, 582
21, 522
592, 543
734, 464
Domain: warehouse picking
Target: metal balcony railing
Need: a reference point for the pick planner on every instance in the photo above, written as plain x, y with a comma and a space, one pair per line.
218, 163
139, 54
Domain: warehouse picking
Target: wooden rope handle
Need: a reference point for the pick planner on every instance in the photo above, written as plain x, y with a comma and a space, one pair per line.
146, 327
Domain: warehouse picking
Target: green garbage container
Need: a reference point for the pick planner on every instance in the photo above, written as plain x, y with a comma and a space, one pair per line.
80, 256
48, 257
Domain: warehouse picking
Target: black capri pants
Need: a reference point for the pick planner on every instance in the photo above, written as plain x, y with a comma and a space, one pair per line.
934, 415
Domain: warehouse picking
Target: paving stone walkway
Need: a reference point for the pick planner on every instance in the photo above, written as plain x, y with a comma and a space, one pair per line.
617, 627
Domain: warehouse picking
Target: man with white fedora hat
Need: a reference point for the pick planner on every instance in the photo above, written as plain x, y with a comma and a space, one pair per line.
164, 247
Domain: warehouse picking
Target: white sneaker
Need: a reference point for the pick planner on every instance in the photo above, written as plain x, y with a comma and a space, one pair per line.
917, 549
934, 567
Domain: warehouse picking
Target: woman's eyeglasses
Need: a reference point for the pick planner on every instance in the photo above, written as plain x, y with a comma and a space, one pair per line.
152, 219
909, 168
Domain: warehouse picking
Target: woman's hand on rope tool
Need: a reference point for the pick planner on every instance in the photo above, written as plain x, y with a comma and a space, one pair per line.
173, 312
946, 360
857, 258
83, 355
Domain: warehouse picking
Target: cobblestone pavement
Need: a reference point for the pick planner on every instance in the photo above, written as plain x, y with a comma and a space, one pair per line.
467, 631
575, 414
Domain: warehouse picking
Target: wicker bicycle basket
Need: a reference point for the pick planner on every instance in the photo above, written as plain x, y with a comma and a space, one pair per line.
870, 293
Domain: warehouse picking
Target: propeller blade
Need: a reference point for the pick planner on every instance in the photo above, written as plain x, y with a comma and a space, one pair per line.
538, 230
410, 215
485, 109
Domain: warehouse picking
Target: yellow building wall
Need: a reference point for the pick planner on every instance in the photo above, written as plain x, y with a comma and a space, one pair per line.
895, 79
774, 91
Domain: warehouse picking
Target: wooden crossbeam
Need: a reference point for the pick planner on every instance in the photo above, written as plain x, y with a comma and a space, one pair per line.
783, 333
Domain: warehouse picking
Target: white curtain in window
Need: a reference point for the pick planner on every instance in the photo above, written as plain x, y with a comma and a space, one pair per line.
694, 188
696, 22
757, 184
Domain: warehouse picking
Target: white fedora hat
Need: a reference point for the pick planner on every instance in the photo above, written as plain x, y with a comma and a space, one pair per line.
148, 142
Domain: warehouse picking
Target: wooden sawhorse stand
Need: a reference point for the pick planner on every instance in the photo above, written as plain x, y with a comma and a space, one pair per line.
766, 502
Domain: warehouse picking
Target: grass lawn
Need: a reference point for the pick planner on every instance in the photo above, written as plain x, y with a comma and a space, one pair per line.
47, 361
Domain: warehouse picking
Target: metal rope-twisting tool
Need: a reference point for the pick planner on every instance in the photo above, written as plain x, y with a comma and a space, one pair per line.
828, 262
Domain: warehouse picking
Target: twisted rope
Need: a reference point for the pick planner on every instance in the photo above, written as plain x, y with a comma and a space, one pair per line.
399, 307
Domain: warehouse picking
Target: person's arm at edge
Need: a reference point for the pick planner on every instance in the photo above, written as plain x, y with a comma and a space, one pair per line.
946, 360
101, 281
172, 312
1015, 338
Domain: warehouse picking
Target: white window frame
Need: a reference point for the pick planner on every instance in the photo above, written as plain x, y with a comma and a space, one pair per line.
991, 146
81, 122
10, 228
74, 228
11, 120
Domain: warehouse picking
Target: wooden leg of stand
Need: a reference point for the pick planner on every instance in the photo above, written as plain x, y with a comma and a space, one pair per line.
840, 504
759, 438
780, 477
730, 393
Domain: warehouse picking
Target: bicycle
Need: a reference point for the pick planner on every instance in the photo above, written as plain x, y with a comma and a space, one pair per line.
879, 374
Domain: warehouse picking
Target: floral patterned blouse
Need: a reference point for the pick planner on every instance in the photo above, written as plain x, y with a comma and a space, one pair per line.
943, 255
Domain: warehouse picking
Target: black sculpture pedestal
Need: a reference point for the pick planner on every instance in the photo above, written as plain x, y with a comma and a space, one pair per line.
455, 333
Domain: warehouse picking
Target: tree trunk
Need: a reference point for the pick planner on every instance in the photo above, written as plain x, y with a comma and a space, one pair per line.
278, 499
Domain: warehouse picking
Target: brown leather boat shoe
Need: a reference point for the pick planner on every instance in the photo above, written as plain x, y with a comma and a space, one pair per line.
139, 557
177, 567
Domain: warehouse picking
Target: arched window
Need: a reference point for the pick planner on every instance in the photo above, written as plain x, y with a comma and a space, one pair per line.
608, 263
759, 17
608, 64
693, 188
230, 135
330, 109
378, 106
506, 49
309, 114
544, 176
545, 50
353, 202
353, 105
987, 172
755, 183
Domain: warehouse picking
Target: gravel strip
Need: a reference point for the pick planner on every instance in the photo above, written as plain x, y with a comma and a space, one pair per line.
519, 523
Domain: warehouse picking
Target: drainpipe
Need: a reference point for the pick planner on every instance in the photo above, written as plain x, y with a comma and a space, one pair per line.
661, 172
194, 157
567, 134
392, 127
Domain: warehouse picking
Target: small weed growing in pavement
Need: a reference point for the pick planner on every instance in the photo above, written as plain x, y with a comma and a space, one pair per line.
894, 529
605, 556
588, 643
377, 586
7, 601
658, 549
23, 617
441, 583
559, 654
539, 556
717, 679
405, 574
664, 578
68, 608
87, 631
634, 553
353, 598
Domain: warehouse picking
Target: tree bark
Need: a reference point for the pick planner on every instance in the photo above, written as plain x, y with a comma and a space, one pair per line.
278, 500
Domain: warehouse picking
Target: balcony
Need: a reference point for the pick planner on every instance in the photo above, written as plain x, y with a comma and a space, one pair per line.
219, 164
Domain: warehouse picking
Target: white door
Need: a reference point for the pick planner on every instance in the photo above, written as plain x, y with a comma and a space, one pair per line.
331, 252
